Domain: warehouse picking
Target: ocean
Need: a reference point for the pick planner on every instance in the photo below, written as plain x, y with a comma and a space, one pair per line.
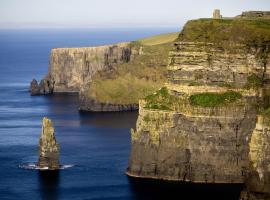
94, 147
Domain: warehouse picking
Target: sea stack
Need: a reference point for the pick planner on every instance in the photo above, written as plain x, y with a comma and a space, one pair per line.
48, 147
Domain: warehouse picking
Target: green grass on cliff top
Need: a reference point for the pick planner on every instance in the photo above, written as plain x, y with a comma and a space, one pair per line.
161, 100
159, 39
208, 99
224, 32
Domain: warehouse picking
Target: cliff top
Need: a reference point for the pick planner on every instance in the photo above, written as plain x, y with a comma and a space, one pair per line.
250, 32
159, 39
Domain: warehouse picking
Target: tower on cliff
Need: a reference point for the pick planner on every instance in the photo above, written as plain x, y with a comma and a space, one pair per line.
216, 14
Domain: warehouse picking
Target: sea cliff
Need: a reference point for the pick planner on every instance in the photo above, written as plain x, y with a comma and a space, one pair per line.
201, 126
110, 77
71, 68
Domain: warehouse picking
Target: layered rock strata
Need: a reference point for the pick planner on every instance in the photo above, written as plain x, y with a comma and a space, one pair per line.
188, 135
48, 147
70, 68
194, 144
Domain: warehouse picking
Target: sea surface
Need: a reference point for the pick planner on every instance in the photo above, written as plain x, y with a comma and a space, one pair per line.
94, 146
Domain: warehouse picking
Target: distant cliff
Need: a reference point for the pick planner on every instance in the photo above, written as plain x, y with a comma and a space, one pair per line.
71, 68
201, 126
111, 77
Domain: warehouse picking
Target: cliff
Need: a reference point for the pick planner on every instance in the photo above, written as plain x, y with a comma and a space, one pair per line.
201, 127
121, 87
71, 68
48, 147
111, 77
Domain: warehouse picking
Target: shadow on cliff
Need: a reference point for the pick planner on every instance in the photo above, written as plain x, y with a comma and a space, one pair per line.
125, 119
48, 184
155, 189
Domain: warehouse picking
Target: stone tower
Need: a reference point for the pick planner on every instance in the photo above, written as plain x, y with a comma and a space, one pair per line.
216, 14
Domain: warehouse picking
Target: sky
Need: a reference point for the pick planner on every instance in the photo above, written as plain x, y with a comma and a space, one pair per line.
116, 13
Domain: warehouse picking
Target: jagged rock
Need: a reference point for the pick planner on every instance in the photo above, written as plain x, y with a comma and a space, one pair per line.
46, 86
34, 88
48, 147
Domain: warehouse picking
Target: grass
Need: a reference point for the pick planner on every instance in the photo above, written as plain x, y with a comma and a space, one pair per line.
159, 39
161, 100
225, 33
126, 89
214, 99
128, 82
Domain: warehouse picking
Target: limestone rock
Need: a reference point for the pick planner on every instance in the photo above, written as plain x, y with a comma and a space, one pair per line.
258, 180
71, 68
34, 88
46, 86
48, 147
207, 144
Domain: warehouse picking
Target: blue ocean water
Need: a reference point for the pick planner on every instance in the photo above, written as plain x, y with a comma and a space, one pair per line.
94, 146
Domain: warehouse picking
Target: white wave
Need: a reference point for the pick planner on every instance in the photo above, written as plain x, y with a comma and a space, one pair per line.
36, 167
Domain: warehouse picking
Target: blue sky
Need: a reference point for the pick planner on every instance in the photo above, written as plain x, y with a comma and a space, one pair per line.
115, 13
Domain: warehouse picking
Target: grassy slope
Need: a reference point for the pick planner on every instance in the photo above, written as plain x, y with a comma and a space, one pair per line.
132, 81
159, 39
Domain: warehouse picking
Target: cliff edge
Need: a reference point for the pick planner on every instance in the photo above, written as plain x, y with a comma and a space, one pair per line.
111, 77
201, 126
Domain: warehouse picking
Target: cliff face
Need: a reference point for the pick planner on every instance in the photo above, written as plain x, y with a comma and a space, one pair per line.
195, 144
201, 127
203, 64
121, 87
71, 68
108, 78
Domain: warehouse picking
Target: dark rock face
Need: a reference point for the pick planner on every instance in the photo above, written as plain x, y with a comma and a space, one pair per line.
92, 105
196, 145
48, 147
258, 178
34, 87
45, 87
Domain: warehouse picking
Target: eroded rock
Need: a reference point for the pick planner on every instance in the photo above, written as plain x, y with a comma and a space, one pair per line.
48, 147
34, 88
46, 86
